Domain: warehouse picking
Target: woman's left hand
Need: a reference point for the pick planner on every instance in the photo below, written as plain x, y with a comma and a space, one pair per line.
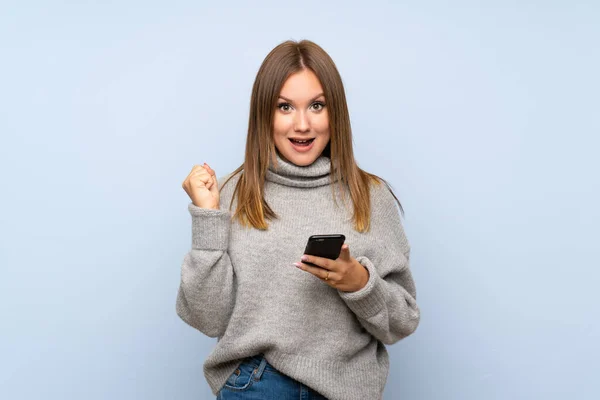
344, 273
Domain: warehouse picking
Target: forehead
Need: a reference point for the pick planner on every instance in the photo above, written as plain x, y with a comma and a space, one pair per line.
303, 85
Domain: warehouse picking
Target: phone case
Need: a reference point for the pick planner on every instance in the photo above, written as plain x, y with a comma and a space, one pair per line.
326, 246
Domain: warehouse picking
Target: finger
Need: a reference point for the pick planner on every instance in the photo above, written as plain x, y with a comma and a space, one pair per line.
320, 273
321, 262
209, 169
197, 170
215, 184
202, 184
213, 179
192, 172
213, 175
202, 179
345, 253
203, 174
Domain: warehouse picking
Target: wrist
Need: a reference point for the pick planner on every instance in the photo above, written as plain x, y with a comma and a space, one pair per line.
363, 274
366, 275
206, 208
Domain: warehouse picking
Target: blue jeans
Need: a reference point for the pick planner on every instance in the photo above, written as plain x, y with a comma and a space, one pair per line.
256, 379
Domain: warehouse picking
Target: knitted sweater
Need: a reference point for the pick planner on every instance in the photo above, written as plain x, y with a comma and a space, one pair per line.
240, 285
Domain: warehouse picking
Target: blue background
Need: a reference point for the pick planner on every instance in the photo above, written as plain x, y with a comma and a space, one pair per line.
484, 116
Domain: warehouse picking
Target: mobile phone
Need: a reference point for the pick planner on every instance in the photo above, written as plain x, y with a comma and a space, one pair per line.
326, 246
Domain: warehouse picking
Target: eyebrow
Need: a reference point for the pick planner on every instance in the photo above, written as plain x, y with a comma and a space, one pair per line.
313, 99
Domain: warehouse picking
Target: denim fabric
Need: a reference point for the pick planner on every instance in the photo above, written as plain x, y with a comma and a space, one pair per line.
256, 379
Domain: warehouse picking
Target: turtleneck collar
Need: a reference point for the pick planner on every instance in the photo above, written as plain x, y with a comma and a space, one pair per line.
290, 174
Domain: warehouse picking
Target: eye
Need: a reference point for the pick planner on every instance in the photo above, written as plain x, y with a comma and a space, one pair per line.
285, 107
318, 106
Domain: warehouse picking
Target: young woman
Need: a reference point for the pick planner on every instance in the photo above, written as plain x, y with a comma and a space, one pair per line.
286, 329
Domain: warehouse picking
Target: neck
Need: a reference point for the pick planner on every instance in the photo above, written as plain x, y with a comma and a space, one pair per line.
289, 174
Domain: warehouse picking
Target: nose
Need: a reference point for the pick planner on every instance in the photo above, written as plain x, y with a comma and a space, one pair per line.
301, 122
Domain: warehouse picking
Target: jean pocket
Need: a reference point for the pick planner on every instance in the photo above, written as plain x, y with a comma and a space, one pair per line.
241, 378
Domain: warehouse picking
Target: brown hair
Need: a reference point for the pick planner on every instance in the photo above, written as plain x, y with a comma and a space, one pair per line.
284, 60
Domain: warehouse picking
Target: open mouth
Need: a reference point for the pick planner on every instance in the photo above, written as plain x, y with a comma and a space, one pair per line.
306, 142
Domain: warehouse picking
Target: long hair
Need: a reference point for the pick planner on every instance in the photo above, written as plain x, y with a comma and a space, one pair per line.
284, 60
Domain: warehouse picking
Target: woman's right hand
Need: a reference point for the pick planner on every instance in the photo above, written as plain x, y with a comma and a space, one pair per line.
202, 187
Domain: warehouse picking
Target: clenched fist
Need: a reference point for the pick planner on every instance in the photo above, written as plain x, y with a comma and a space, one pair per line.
202, 187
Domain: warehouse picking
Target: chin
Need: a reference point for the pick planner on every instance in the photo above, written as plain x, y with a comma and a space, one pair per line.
303, 159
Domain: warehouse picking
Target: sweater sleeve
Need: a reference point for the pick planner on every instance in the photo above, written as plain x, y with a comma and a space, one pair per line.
206, 293
386, 306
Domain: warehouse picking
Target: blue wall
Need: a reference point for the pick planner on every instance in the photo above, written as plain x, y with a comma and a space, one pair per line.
485, 119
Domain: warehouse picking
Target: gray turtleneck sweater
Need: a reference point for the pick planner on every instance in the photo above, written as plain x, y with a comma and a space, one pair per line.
240, 285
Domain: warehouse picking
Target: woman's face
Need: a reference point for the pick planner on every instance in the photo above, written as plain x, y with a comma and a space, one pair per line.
301, 115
